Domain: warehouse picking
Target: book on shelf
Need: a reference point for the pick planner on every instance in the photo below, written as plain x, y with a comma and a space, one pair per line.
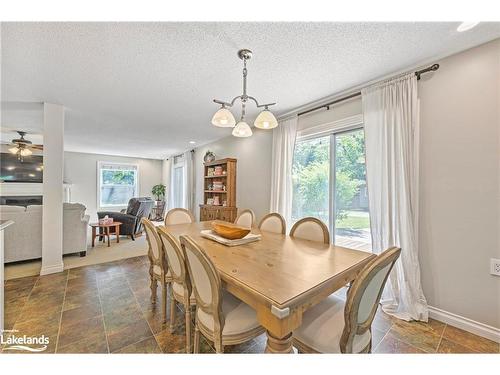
217, 185
218, 171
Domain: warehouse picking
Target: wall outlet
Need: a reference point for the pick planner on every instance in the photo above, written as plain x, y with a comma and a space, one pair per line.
495, 266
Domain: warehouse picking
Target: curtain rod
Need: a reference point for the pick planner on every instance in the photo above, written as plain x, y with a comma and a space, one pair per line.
418, 73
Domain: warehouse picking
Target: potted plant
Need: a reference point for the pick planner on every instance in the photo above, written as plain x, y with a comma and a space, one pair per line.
159, 192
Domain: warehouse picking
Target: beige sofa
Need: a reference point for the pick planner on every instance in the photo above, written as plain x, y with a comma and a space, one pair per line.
23, 239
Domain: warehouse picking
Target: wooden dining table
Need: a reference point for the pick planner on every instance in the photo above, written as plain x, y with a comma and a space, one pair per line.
279, 276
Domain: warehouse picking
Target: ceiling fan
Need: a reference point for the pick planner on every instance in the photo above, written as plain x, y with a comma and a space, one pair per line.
22, 147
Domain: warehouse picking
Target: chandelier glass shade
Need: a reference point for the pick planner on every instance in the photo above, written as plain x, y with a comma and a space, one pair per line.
265, 120
224, 118
242, 130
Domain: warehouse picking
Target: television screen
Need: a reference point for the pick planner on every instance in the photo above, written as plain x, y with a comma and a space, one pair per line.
12, 170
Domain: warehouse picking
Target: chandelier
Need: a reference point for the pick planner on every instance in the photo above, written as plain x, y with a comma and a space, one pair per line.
224, 118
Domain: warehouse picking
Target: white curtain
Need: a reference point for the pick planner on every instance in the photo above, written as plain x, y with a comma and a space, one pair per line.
281, 174
390, 112
188, 182
171, 187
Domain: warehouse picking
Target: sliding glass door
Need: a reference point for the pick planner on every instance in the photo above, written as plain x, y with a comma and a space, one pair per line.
311, 182
352, 218
329, 183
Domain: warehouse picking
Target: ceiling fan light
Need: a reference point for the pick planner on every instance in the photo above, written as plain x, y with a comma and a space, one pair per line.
223, 118
25, 152
242, 130
266, 120
13, 150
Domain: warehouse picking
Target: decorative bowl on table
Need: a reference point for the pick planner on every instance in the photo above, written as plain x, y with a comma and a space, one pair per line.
229, 231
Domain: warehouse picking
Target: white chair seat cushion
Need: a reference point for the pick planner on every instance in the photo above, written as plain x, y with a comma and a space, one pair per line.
179, 290
322, 327
239, 317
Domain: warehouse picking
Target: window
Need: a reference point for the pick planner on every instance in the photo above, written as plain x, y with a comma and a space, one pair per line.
117, 184
178, 181
329, 183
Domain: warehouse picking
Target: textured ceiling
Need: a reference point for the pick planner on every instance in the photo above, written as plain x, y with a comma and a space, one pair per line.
146, 89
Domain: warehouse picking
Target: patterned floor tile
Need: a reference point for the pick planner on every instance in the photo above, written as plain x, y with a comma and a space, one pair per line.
148, 345
391, 345
72, 332
128, 334
91, 344
107, 308
469, 340
447, 346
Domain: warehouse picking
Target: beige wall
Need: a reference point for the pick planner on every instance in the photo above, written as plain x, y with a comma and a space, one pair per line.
253, 174
459, 184
80, 170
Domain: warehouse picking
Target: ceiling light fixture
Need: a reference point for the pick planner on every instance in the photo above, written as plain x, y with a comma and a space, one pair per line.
464, 26
192, 142
224, 118
21, 151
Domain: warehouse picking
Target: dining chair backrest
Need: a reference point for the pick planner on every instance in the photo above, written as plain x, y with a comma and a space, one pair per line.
155, 253
175, 259
273, 222
312, 229
205, 281
364, 295
178, 216
246, 218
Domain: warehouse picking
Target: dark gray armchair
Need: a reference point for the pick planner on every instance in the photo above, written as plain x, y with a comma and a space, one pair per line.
131, 217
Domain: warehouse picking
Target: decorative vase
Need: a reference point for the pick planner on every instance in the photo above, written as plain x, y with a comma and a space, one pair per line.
209, 156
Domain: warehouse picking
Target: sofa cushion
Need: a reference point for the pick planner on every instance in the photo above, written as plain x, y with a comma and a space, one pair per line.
74, 206
34, 208
5, 208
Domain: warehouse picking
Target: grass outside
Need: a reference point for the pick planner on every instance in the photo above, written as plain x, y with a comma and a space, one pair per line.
354, 220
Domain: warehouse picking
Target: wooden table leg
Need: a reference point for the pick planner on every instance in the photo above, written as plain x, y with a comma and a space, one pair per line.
117, 231
93, 236
107, 233
277, 345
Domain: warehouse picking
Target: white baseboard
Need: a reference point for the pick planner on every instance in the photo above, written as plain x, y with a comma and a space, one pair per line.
466, 324
47, 270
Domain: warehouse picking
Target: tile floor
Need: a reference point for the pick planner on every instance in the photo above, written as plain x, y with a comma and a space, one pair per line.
106, 308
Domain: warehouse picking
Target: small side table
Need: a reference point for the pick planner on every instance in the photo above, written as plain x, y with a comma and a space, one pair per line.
104, 231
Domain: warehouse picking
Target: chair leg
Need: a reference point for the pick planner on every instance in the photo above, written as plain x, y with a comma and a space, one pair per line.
187, 312
196, 346
153, 287
164, 301
172, 310
219, 348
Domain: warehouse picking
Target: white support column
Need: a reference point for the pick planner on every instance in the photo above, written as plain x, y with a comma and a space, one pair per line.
53, 169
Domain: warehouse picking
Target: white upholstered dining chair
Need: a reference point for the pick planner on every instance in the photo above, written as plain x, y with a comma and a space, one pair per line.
273, 222
180, 290
179, 216
338, 326
246, 218
158, 267
220, 317
312, 229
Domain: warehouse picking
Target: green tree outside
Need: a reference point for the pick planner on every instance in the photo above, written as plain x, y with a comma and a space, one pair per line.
311, 171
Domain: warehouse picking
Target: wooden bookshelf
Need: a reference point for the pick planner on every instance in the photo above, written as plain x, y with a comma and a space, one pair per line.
219, 188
